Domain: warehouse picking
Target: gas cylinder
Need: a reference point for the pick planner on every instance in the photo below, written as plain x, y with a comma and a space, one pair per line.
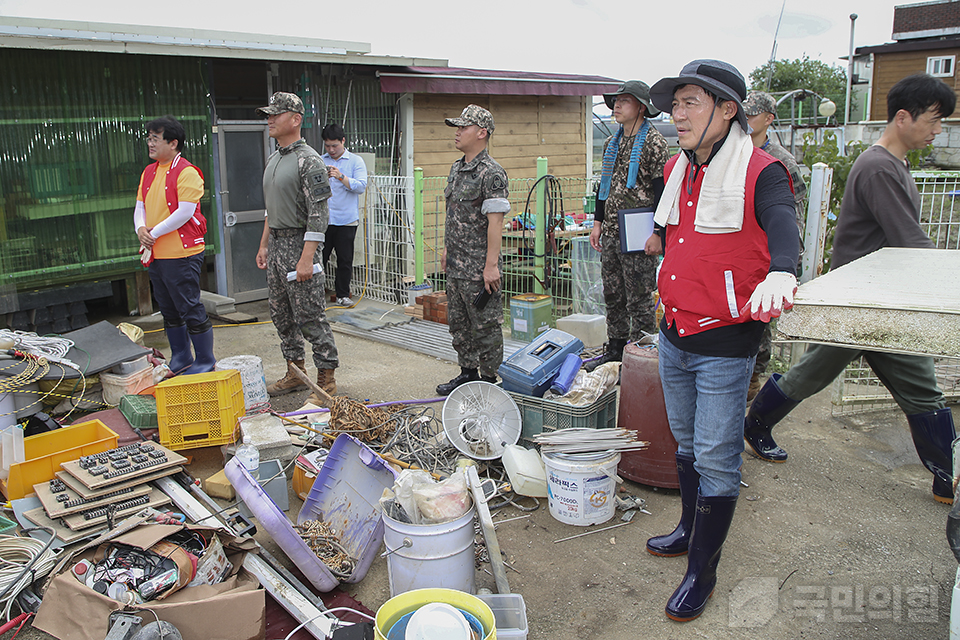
642, 409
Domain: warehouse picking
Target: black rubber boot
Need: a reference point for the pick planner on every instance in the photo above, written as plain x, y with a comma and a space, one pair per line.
466, 375
203, 347
933, 435
181, 357
676, 543
711, 523
769, 407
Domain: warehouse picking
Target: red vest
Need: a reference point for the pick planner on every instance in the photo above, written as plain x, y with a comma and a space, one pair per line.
705, 278
191, 232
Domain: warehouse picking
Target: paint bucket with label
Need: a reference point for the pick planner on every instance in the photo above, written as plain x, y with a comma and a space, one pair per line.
251, 377
581, 487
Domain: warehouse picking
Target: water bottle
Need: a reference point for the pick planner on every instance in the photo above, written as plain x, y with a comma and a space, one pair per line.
567, 374
249, 457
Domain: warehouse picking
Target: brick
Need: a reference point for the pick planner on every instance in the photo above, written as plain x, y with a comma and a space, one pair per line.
217, 486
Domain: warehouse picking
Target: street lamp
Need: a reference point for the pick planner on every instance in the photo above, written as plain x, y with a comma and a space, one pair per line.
827, 108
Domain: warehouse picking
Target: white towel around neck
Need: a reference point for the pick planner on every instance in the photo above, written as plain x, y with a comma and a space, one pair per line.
720, 207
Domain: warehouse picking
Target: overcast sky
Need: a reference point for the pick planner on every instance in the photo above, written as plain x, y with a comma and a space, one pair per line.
634, 39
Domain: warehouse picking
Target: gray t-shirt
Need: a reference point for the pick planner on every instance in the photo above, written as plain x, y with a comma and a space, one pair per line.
880, 208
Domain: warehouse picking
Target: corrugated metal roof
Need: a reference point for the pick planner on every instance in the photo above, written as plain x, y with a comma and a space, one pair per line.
37, 33
420, 79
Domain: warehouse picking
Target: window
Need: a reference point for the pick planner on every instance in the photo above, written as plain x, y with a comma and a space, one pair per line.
941, 66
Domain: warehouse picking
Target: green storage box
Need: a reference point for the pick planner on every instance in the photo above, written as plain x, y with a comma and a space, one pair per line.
539, 415
140, 411
530, 315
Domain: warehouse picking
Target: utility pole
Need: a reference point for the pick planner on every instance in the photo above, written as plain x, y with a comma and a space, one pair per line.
846, 106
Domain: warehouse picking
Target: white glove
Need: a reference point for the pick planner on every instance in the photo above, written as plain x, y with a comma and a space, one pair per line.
772, 296
146, 255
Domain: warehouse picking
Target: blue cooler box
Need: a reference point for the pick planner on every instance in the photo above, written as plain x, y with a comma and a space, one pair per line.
531, 370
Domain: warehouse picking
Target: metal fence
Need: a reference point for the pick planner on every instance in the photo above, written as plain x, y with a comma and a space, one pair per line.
858, 389
560, 263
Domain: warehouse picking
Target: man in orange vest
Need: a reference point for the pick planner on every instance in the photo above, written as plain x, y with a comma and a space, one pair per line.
170, 228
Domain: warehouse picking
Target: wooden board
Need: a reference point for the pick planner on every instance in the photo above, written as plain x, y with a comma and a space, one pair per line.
85, 492
67, 535
898, 300
95, 481
56, 508
155, 498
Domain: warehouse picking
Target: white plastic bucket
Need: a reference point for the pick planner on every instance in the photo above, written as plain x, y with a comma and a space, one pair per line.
581, 487
426, 556
251, 377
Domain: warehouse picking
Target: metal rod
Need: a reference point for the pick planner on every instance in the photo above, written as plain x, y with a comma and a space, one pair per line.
580, 535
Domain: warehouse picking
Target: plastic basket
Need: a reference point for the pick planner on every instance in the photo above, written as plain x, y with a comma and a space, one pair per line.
140, 411
45, 452
199, 410
541, 415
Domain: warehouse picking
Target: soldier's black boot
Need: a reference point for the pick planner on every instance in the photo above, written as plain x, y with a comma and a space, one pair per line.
466, 375
676, 542
612, 353
933, 434
769, 407
711, 523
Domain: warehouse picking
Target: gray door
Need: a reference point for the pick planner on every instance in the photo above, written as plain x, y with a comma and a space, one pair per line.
244, 148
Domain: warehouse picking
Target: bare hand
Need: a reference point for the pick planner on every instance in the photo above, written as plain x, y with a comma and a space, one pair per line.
334, 173
443, 260
653, 246
143, 234
491, 278
595, 236
304, 270
262, 259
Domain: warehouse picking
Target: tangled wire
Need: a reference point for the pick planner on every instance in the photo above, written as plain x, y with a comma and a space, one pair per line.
367, 424
324, 541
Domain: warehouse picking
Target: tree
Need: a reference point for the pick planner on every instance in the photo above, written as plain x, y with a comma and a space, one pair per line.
803, 73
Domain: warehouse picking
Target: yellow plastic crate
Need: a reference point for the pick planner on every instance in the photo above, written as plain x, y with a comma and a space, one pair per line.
45, 452
199, 410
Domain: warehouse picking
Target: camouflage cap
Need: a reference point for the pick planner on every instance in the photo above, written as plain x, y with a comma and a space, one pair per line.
473, 114
281, 102
758, 102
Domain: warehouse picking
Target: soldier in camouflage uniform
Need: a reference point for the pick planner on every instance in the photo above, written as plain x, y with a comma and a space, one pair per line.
476, 196
632, 178
761, 109
296, 190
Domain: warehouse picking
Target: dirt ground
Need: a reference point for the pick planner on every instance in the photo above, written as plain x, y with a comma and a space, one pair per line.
844, 540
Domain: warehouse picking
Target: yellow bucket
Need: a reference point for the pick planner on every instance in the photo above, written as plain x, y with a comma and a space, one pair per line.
398, 606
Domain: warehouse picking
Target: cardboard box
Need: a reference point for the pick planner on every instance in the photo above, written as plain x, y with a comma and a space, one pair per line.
234, 609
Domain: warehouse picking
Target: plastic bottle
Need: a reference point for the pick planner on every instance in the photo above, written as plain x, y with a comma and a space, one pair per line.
567, 374
249, 457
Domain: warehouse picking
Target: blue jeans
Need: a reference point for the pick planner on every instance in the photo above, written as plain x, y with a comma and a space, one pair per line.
705, 398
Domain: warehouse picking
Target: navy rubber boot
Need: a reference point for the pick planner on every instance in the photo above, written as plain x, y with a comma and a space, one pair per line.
933, 435
181, 357
769, 407
203, 345
676, 543
711, 523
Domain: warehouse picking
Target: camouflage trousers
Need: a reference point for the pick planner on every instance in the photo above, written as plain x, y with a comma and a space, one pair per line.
766, 347
629, 280
296, 308
477, 333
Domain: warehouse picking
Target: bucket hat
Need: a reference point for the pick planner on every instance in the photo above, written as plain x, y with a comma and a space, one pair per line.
638, 90
717, 77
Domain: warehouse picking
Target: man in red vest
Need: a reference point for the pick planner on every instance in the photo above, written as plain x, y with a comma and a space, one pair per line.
170, 228
728, 231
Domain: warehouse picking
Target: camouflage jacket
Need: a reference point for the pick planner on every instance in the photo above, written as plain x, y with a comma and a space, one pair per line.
474, 190
799, 188
652, 160
296, 190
